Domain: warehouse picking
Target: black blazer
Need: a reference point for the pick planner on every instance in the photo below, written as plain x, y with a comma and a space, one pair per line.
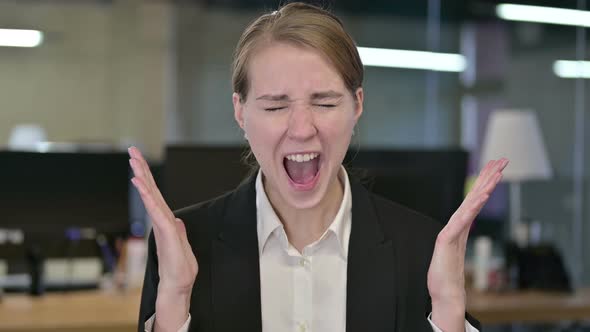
389, 254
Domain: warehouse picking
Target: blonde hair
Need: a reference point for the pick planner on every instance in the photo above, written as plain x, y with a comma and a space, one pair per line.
304, 25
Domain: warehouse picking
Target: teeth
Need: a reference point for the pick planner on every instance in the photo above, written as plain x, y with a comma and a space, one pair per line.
300, 158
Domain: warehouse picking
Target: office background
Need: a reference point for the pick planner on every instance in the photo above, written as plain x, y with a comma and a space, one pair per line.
154, 73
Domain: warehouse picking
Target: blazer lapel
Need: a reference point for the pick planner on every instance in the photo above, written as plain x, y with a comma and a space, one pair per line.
371, 296
235, 264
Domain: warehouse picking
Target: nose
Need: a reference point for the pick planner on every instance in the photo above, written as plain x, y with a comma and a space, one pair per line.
301, 124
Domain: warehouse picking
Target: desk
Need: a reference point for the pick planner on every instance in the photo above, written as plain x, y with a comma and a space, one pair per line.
93, 311
89, 311
529, 306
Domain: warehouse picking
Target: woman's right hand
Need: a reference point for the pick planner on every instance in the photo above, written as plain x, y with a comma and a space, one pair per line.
177, 265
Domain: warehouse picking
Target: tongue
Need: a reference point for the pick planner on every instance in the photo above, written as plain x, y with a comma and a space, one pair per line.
302, 173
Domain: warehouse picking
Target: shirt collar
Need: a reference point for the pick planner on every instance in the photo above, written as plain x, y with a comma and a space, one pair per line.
268, 222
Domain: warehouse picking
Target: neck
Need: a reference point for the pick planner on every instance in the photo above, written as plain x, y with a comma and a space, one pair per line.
305, 226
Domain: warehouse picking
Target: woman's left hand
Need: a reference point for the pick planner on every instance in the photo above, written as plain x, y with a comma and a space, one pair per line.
446, 275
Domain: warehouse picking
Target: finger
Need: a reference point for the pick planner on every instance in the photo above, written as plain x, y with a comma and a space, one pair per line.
489, 177
478, 198
136, 165
157, 212
140, 175
498, 166
504, 164
148, 200
461, 220
481, 178
141, 169
137, 169
493, 183
472, 204
136, 154
479, 186
495, 176
145, 171
485, 174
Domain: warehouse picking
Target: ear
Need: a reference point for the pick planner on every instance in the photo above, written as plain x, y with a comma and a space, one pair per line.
358, 108
238, 109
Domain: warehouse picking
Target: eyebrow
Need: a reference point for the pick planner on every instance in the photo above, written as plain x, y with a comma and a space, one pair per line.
314, 96
326, 94
282, 97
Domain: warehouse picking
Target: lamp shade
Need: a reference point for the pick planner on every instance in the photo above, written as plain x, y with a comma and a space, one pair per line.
515, 134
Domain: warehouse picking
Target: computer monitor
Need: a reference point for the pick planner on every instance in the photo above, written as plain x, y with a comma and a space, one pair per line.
429, 181
195, 173
45, 194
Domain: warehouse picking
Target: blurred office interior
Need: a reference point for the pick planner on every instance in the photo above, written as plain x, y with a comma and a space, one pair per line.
92, 77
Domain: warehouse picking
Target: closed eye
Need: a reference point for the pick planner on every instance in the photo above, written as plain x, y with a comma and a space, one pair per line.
272, 109
326, 105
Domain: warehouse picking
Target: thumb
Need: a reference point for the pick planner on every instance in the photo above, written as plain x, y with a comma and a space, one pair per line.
182, 235
181, 230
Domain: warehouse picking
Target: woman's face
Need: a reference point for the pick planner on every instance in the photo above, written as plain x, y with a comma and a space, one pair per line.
298, 118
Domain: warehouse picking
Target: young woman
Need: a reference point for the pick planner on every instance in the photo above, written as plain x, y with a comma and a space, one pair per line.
300, 246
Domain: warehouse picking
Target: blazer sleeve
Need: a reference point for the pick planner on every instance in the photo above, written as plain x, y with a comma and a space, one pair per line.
150, 285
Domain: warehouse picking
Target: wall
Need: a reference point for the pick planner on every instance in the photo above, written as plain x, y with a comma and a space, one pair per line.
99, 76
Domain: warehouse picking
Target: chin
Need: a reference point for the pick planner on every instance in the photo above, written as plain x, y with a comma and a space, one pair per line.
303, 201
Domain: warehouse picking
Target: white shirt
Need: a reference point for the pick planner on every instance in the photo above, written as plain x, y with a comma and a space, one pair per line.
303, 292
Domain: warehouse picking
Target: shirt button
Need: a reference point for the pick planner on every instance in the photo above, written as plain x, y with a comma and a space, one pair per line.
302, 327
303, 262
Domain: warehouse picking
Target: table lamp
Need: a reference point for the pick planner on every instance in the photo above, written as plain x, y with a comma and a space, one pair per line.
515, 134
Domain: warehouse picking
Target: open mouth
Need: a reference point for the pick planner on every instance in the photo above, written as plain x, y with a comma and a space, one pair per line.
302, 169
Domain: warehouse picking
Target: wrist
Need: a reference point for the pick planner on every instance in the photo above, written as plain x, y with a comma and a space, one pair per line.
172, 310
449, 313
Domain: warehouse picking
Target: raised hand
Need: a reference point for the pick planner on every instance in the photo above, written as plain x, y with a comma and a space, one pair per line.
446, 276
177, 265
